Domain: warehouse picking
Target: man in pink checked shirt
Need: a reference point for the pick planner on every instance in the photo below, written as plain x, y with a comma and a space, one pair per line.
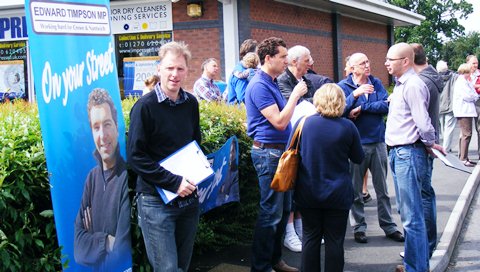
205, 88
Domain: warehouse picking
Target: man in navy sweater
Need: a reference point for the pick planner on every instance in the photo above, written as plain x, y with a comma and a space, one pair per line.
162, 122
366, 106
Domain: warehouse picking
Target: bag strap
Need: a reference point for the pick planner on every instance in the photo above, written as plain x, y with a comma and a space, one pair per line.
296, 134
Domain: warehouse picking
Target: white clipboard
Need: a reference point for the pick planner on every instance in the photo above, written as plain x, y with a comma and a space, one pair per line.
452, 161
189, 162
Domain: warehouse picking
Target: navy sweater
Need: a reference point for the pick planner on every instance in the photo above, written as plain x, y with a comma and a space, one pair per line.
156, 131
370, 122
106, 194
326, 146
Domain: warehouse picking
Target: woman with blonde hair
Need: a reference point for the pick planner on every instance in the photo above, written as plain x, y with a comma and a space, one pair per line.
323, 190
463, 106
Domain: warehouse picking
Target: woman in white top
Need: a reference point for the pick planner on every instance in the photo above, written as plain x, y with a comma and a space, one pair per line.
464, 97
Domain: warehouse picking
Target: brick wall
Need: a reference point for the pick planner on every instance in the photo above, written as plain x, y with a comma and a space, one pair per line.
198, 33
297, 26
368, 38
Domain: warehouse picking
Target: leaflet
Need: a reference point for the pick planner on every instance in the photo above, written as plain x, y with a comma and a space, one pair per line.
188, 162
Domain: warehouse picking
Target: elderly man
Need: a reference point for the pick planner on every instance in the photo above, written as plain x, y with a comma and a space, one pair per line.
434, 83
205, 87
366, 106
447, 120
411, 137
298, 63
268, 123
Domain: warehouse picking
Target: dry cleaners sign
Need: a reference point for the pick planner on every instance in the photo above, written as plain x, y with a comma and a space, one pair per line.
141, 17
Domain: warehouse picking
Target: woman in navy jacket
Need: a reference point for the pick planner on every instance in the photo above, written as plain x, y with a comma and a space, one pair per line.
323, 191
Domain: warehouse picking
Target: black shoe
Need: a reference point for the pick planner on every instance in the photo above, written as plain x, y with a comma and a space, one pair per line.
283, 267
396, 236
366, 197
360, 237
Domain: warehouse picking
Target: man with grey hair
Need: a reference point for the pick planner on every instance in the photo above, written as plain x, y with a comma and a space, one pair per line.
447, 120
366, 106
298, 63
299, 59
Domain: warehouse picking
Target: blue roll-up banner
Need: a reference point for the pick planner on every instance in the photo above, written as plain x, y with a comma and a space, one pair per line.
77, 90
222, 187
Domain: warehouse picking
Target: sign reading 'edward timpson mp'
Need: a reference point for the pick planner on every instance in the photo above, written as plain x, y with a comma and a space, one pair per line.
83, 130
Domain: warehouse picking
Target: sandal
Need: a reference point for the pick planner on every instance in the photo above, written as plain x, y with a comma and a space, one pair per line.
468, 163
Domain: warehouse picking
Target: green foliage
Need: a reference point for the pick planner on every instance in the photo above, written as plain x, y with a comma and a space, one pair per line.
230, 224
28, 240
440, 24
454, 52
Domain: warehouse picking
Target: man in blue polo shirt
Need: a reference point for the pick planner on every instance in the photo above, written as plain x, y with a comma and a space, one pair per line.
268, 118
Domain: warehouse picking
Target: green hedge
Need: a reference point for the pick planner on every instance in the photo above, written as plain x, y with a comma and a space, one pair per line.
28, 239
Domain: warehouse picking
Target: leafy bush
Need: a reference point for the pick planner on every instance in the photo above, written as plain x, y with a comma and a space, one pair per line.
28, 239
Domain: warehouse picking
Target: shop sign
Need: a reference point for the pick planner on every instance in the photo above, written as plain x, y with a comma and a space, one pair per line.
141, 17
13, 27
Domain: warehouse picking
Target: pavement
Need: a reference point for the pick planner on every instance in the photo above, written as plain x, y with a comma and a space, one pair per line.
466, 255
454, 193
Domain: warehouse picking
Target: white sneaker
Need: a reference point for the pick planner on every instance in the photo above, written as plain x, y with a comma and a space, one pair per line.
299, 233
292, 242
402, 254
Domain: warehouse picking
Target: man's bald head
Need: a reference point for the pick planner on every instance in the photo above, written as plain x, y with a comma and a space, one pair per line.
399, 59
355, 57
404, 50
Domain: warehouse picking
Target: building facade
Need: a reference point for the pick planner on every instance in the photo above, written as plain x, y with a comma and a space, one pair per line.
331, 29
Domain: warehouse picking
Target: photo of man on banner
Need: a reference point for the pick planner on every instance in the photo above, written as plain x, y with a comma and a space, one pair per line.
102, 226
222, 187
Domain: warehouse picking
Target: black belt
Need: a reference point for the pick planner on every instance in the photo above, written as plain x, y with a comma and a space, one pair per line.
418, 143
272, 146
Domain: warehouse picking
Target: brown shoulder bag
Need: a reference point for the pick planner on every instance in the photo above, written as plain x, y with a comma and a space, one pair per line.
286, 172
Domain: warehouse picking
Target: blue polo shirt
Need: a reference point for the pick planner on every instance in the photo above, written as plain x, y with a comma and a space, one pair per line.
262, 92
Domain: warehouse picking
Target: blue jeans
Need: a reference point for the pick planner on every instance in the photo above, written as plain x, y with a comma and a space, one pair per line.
409, 165
430, 208
273, 214
168, 232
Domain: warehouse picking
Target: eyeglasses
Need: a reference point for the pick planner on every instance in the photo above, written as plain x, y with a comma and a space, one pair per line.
390, 60
363, 64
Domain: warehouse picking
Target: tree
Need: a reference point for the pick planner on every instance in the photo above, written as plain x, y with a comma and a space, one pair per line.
455, 51
440, 24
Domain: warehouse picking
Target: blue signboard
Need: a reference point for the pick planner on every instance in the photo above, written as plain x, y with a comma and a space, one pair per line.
222, 187
83, 130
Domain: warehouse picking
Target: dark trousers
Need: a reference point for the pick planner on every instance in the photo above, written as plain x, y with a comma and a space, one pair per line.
328, 224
